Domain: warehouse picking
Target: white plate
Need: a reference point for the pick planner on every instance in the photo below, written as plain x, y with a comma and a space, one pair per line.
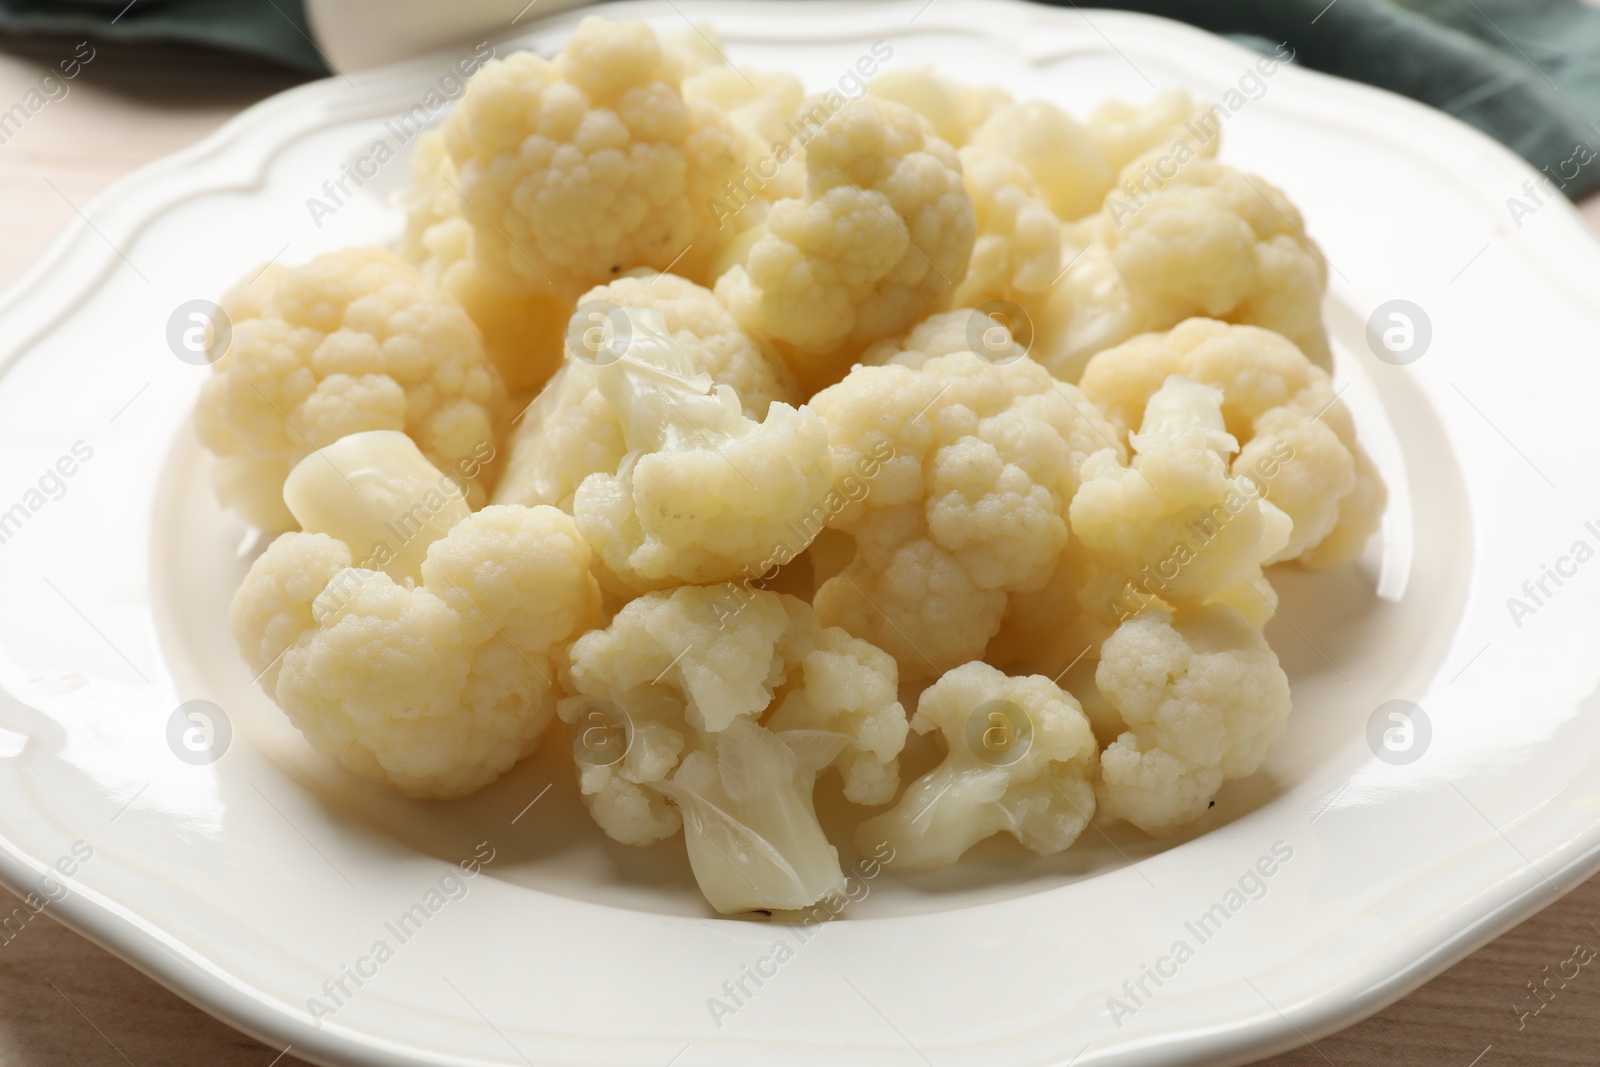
247, 883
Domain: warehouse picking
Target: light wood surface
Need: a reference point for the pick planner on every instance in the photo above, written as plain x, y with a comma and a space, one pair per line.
63, 1001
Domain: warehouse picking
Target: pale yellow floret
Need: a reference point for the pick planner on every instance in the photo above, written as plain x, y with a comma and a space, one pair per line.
881, 238
579, 168
692, 673
521, 325
1202, 698
1020, 759
354, 340
975, 465
437, 688
1175, 523
1298, 440
571, 432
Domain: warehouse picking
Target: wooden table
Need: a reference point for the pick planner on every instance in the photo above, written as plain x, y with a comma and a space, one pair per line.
63, 1001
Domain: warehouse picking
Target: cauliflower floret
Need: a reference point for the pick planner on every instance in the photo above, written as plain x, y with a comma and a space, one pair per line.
762, 106
954, 110
1299, 441
591, 164
703, 493
1203, 699
1175, 523
1126, 132
691, 690
570, 431
521, 329
1057, 150
1018, 249
1021, 759
436, 684
975, 465
1207, 240
881, 238
354, 340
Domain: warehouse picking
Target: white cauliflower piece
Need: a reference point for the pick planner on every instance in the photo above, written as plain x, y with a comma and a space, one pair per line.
1299, 443
580, 168
704, 493
973, 467
354, 340
1203, 699
761, 106
881, 238
1017, 253
954, 110
436, 685
521, 329
1021, 760
570, 431
1126, 131
1175, 523
1057, 150
1207, 241
694, 688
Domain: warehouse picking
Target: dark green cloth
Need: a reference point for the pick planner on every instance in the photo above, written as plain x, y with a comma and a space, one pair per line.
1526, 72
272, 29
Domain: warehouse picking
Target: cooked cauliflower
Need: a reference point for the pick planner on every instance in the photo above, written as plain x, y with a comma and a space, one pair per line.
1209, 241
954, 110
354, 340
521, 325
1203, 699
1017, 253
1175, 523
704, 493
1125, 132
579, 168
436, 684
1026, 766
761, 106
570, 431
880, 238
1057, 150
979, 462
693, 690
1299, 442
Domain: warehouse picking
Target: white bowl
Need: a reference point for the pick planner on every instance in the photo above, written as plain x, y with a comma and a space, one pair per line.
247, 883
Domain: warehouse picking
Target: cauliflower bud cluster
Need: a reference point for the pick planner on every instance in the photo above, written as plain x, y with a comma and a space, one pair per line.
942, 445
